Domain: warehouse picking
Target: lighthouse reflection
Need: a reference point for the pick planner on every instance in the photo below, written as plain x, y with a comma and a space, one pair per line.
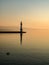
21, 38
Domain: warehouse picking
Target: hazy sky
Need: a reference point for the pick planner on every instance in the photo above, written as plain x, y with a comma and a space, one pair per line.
33, 13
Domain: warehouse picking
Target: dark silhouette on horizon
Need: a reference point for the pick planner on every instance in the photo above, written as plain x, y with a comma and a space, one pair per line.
20, 32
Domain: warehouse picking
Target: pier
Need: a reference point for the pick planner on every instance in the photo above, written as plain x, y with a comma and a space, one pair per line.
21, 30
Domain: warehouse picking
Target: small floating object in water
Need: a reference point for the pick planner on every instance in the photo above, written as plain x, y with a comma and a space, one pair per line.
7, 53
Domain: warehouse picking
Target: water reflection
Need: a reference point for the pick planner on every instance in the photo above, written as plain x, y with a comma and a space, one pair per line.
34, 49
21, 38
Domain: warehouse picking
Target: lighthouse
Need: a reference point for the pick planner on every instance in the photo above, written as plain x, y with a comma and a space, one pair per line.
21, 27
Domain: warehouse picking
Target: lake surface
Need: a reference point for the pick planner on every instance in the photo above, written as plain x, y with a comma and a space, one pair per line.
34, 49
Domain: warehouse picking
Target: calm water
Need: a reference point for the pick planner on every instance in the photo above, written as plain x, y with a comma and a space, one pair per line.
33, 51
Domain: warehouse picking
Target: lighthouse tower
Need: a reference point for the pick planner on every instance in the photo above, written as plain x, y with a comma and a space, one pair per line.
21, 27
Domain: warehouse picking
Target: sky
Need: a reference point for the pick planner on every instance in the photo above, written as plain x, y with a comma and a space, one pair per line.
33, 13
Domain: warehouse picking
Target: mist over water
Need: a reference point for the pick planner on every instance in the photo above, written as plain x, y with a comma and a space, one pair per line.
9, 28
33, 51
